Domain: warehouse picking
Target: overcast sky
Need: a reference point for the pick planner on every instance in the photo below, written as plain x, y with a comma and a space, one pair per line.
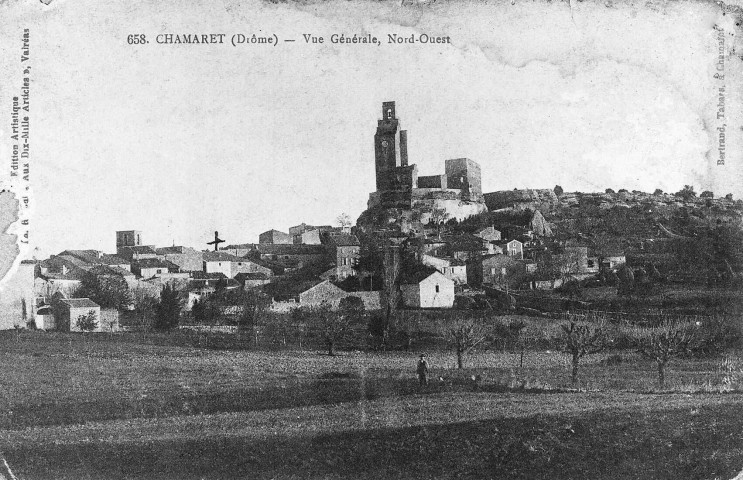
180, 140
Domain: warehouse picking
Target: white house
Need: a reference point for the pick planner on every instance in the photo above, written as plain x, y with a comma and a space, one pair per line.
513, 248
427, 289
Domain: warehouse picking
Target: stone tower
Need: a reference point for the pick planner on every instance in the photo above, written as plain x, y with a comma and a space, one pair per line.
390, 148
128, 238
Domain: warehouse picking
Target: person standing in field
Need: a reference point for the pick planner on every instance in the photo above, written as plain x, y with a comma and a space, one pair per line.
422, 371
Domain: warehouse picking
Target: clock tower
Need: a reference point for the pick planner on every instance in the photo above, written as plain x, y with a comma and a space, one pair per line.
390, 148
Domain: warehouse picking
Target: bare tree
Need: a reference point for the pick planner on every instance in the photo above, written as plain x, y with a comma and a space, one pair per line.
438, 217
670, 339
331, 325
463, 336
579, 341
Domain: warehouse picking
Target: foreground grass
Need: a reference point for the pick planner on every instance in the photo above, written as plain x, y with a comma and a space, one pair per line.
473, 435
100, 406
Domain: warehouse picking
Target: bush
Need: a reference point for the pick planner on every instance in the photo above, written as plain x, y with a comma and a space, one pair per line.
716, 335
87, 323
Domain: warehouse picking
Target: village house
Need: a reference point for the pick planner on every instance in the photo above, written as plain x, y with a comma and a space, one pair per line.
303, 255
490, 234
453, 269
252, 280
95, 257
137, 252
230, 265
427, 288
71, 309
274, 237
344, 251
503, 270
612, 260
187, 258
61, 274
153, 267
513, 248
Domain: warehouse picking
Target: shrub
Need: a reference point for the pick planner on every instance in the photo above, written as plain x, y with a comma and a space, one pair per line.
87, 323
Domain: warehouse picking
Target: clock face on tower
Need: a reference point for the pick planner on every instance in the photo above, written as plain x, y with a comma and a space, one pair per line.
384, 143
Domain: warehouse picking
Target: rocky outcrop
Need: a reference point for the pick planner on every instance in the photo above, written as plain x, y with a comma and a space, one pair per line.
528, 198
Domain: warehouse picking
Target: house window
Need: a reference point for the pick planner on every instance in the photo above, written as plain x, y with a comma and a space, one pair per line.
492, 271
590, 264
437, 289
503, 271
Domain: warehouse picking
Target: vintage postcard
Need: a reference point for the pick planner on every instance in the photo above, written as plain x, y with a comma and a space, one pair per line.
350, 239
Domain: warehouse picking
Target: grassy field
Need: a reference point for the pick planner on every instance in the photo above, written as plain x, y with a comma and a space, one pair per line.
100, 406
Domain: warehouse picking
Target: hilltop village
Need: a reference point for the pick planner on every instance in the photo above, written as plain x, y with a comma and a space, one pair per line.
432, 241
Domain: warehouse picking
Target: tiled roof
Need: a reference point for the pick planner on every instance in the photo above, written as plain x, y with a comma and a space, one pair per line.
154, 263
290, 249
169, 250
220, 257
110, 270
240, 277
344, 240
80, 302
417, 276
207, 276
141, 249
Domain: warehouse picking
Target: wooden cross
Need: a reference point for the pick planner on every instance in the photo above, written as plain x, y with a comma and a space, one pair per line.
216, 241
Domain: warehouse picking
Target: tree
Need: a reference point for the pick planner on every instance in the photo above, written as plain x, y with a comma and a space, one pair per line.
110, 291
558, 190
168, 309
658, 191
609, 190
729, 196
661, 343
206, 311
254, 304
87, 323
144, 307
333, 326
370, 262
686, 193
463, 336
625, 281
344, 221
579, 341
706, 194
438, 217
379, 329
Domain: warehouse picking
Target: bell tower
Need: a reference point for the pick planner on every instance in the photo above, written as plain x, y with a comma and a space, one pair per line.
390, 147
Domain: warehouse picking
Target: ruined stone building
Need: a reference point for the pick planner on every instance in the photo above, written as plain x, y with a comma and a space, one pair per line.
458, 190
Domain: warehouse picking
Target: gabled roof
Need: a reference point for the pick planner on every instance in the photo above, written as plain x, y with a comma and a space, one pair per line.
417, 276
344, 240
110, 270
79, 302
95, 257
